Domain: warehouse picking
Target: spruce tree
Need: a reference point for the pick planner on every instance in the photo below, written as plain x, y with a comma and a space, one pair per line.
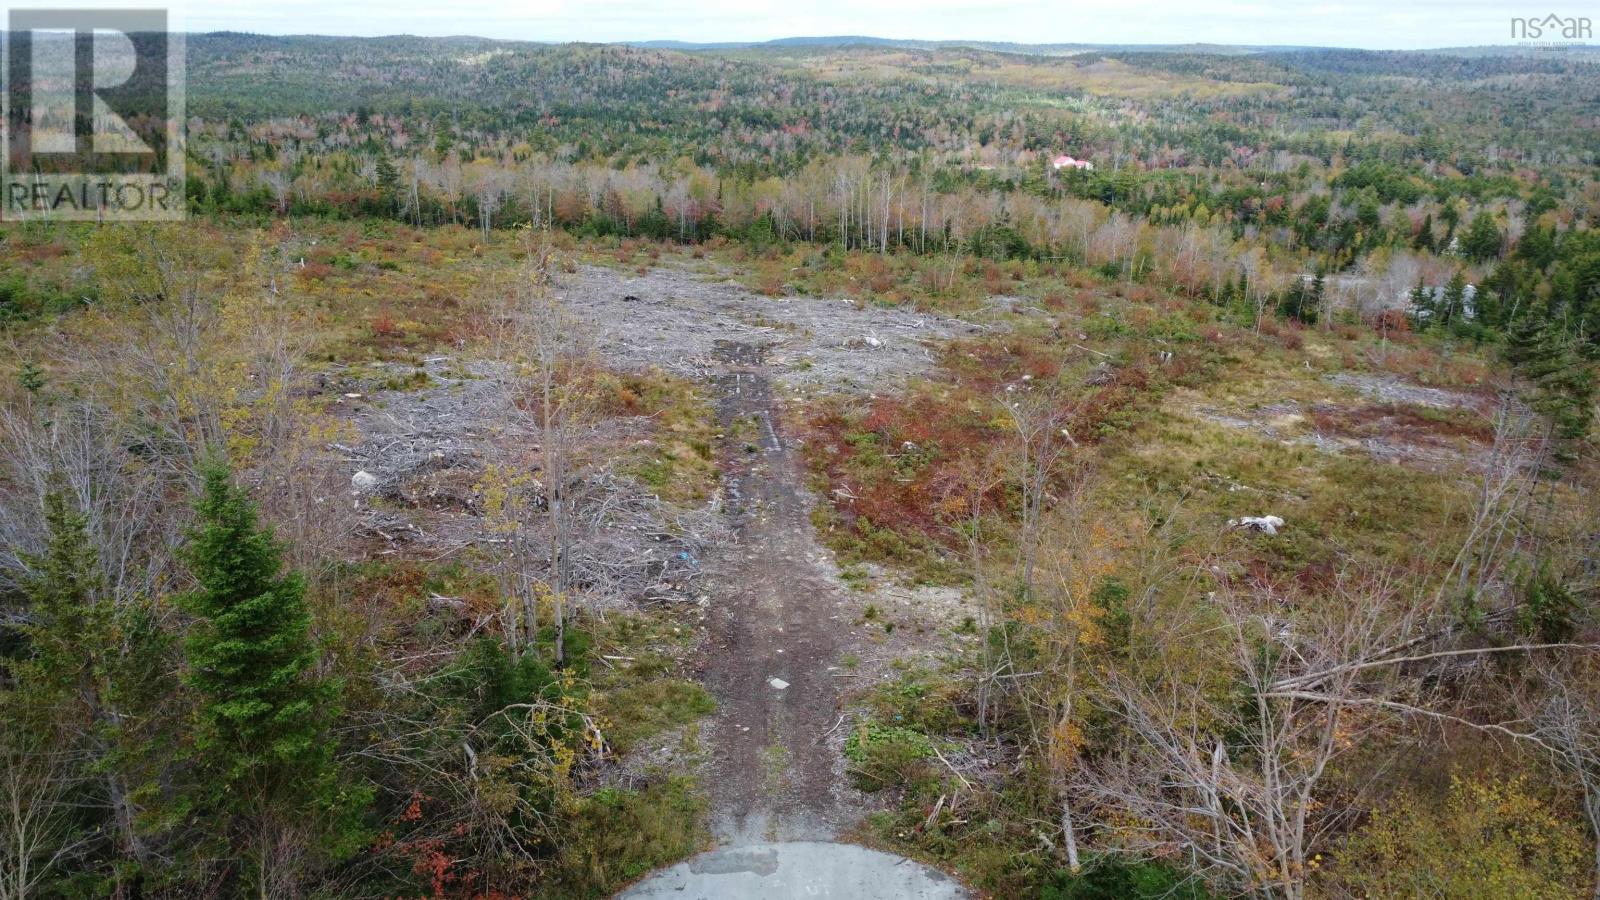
1423, 309
1453, 305
1424, 239
1483, 240
250, 654
1319, 287
1564, 382
388, 175
266, 763
66, 606
92, 686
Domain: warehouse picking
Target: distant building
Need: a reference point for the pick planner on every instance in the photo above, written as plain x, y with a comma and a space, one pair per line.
1066, 162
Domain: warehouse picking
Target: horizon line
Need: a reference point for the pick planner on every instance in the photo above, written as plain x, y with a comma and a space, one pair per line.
853, 39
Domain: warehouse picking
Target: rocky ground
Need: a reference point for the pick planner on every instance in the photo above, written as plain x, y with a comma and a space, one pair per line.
674, 319
1382, 416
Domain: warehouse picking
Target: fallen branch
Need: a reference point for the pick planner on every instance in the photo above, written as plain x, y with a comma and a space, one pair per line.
953, 770
1406, 708
1303, 681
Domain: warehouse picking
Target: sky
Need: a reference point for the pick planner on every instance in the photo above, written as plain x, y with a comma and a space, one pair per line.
1375, 24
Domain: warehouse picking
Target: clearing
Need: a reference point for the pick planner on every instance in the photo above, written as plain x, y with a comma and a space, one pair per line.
780, 619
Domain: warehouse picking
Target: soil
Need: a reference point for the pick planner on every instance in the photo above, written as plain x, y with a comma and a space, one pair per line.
780, 622
1391, 389
1391, 430
797, 870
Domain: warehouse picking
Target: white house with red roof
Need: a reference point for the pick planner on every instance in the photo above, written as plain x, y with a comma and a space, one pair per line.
1066, 162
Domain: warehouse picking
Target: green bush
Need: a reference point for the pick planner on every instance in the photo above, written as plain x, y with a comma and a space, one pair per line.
615, 836
1114, 878
886, 755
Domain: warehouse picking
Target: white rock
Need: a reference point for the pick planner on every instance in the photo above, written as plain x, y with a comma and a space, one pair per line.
1263, 524
363, 481
777, 684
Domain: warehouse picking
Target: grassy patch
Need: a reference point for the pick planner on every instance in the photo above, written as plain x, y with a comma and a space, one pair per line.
886, 755
638, 691
639, 711
620, 835
677, 463
901, 473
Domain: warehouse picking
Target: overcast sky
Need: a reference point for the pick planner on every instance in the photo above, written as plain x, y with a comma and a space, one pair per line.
1382, 24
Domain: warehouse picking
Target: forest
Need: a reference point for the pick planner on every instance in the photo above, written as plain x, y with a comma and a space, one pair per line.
531, 465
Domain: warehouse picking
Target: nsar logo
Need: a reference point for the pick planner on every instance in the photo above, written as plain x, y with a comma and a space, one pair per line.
1552, 28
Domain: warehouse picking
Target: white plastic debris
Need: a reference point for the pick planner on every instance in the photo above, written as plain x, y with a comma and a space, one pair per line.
777, 684
1261, 524
363, 481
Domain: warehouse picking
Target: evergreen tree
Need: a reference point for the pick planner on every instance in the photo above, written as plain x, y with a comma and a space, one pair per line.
1483, 240
1537, 246
91, 686
1564, 384
66, 604
1451, 214
267, 762
1562, 380
1423, 309
1424, 239
1452, 307
388, 175
1319, 287
31, 377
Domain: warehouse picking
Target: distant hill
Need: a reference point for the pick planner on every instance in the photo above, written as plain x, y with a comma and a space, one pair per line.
856, 40
852, 40
824, 42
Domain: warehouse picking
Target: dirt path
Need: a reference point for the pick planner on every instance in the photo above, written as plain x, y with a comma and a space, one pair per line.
780, 623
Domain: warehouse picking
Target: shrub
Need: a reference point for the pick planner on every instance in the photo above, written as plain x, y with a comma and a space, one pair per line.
617, 835
1113, 878
1487, 839
886, 755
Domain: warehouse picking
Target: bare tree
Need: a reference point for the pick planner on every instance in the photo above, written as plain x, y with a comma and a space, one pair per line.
1236, 787
1506, 486
35, 824
1566, 721
544, 362
1227, 767
1039, 417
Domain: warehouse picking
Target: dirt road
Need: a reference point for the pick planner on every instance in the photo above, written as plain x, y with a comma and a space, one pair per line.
780, 623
